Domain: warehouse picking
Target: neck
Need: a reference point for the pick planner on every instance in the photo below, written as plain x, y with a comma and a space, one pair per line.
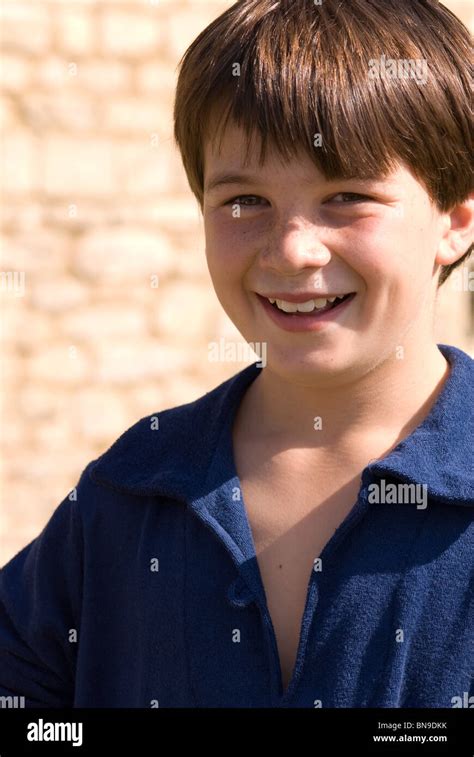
391, 400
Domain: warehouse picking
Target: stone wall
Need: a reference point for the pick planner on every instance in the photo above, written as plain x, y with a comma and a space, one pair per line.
106, 304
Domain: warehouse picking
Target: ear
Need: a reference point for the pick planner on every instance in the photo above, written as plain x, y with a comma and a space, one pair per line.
458, 232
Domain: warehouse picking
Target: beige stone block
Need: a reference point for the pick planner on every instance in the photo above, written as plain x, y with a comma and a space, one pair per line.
464, 10
80, 215
75, 28
70, 110
123, 255
104, 76
75, 168
178, 390
8, 115
99, 415
183, 311
171, 214
48, 464
45, 475
20, 214
58, 294
181, 26
23, 326
138, 294
55, 72
25, 26
12, 425
175, 215
144, 399
126, 362
156, 77
128, 33
129, 211
19, 168
103, 320
29, 507
128, 115
15, 73
190, 260
32, 501
37, 251
178, 182
28, 468
145, 171
41, 403
152, 175
23, 505
452, 311
12, 285
61, 363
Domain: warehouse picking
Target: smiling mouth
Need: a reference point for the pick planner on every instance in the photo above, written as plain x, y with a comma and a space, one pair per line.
311, 308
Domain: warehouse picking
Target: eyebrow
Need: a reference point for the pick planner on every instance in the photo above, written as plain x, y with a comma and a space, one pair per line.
230, 178
224, 179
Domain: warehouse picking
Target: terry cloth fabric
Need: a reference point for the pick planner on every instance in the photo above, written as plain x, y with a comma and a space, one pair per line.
143, 589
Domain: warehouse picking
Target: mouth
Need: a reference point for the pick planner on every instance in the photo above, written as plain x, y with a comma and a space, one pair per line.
310, 315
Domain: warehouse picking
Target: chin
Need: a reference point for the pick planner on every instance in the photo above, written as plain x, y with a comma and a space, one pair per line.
315, 366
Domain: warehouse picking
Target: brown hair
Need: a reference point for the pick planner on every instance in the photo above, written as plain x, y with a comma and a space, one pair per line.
304, 70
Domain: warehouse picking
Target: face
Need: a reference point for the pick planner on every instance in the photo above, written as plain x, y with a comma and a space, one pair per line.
282, 233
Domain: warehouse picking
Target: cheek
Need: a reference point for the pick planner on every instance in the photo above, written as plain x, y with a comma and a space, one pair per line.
385, 252
394, 261
228, 250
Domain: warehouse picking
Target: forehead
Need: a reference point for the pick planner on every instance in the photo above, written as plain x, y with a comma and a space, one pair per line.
234, 156
237, 153
228, 142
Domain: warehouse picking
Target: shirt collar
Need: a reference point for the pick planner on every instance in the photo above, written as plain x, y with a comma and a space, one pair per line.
170, 453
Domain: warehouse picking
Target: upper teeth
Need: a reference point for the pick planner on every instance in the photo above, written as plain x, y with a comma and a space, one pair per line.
303, 307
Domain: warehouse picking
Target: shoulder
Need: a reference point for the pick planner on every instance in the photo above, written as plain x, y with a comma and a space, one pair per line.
160, 452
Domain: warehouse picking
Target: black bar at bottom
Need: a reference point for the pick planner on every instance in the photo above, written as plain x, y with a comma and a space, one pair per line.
146, 731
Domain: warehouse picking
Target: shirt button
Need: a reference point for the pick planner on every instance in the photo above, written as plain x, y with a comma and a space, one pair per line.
239, 594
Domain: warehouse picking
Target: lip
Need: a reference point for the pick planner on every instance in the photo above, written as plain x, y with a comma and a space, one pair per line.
302, 297
305, 322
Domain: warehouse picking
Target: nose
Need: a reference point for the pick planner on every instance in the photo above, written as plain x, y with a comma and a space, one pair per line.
294, 247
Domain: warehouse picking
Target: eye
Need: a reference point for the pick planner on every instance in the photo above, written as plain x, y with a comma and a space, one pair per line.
243, 200
360, 198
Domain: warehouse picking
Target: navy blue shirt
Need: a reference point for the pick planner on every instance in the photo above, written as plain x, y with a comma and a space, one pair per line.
143, 589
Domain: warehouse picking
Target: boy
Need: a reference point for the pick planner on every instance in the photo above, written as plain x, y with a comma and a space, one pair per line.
301, 536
